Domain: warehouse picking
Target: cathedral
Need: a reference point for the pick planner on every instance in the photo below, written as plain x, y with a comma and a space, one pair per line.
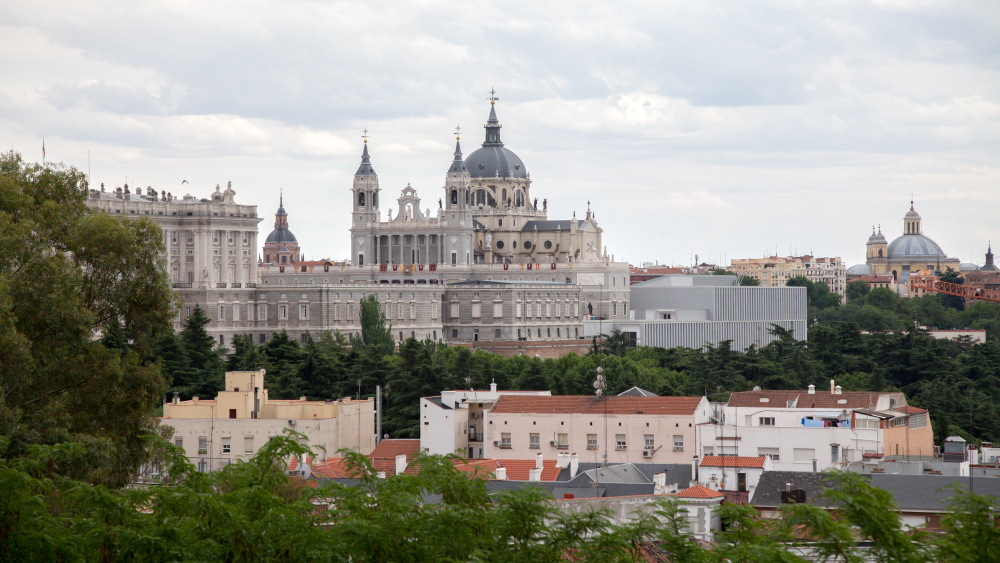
486, 215
911, 252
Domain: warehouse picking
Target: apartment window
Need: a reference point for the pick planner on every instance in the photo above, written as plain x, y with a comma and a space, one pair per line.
766, 421
303, 312
226, 445
591, 441
562, 441
834, 453
533, 441
648, 442
918, 420
179, 441
678, 443
505, 440
768, 452
202, 444
232, 412
203, 466
803, 454
282, 312
708, 450
620, 443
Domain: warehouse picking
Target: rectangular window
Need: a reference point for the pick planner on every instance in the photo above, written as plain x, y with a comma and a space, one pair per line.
261, 312
562, 441
282, 312
226, 445
236, 312
202, 444
203, 466
476, 310
918, 420
591, 441
454, 310
454, 333
505, 440
232, 412
222, 313
766, 421
533, 441
173, 236
496, 333
803, 454
648, 442
179, 441
768, 452
834, 453
708, 450
303, 312
678, 443
190, 236
749, 420
215, 237
497, 310
248, 445
263, 338
413, 311
620, 443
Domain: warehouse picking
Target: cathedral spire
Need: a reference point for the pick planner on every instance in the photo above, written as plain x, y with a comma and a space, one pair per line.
366, 164
493, 124
457, 165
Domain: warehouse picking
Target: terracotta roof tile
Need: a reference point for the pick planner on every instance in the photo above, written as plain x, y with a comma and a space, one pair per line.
911, 410
699, 491
820, 400
586, 404
389, 449
732, 461
330, 469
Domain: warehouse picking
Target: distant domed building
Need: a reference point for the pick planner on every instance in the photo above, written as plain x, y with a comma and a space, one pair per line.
281, 247
913, 251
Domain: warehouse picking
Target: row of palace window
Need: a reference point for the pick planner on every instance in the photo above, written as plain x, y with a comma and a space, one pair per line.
562, 441
216, 237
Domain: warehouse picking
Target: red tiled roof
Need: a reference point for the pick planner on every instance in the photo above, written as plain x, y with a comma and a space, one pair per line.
330, 469
732, 461
910, 410
699, 491
821, 400
389, 449
586, 404
389, 466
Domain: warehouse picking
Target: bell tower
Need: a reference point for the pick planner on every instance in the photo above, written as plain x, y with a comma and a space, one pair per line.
365, 210
911, 221
456, 214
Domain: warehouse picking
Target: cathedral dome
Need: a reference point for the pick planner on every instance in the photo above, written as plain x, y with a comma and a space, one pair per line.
914, 246
493, 159
281, 235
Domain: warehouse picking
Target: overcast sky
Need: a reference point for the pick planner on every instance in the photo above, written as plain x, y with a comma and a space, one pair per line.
723, 129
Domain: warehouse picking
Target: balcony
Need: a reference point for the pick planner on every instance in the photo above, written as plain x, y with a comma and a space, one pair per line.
182, 286
475, 437
505, 445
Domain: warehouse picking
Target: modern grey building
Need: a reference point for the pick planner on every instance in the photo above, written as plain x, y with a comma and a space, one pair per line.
692, 311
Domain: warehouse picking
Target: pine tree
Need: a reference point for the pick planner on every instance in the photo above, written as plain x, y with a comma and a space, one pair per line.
283, 356
203, 355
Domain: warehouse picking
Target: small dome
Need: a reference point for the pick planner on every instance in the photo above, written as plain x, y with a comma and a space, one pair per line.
488, 162
915, 246
280, 235
859, 270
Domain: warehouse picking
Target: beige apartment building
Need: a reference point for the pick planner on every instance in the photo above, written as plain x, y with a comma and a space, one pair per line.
234, 425
775, 271
619, 429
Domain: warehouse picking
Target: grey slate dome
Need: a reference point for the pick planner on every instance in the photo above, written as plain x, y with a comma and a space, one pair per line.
281, 232
493, 159
915, 246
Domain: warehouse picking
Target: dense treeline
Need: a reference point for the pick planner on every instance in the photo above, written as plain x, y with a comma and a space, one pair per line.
251, 511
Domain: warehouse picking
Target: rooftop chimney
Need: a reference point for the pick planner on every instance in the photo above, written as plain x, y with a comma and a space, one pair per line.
493, 386
500, 473
836, 390
574, 465
400, 464
535, 474
831, 387
538, 462
562, 460
659, 483
812, 389
194, 400
177, 398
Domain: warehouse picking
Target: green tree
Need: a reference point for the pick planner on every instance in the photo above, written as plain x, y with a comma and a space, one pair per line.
376, 331
204, 357
857, 289
65, 275
744, 280
952, 301
283, 356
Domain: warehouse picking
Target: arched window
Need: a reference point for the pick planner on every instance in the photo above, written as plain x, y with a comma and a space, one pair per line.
466, 197
894, 275
361, 199
518, 198
880, 253
454, 197
374, 200
503, 198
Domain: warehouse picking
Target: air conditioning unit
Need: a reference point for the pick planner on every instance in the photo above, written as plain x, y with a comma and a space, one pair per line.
647, 453
552, 442
291, 423
496, 442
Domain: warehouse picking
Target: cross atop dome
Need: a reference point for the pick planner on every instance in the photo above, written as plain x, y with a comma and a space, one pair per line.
493, 96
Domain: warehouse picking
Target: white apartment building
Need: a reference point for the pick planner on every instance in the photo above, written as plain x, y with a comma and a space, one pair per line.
455, 420
813, 431
775, 271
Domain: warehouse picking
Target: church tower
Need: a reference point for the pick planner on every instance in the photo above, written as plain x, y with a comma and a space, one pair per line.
877, 251
911, 221
365, 211
456, 217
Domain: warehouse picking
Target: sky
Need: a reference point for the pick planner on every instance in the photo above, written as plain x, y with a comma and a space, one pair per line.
722, 129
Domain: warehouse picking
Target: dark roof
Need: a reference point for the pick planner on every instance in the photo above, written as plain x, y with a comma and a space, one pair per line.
586, 404
552, 225
676, 474
366, 164
636, 392
911, 492
493, 159
281, 235
457, 165
506, 282
437, 401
